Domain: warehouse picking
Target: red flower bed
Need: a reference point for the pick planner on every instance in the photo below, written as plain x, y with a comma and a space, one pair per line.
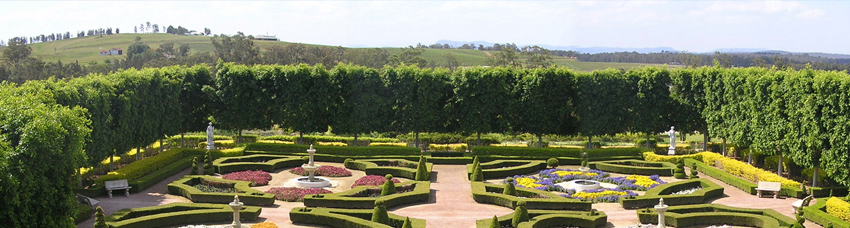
295, 194
257, 178
327, 171
372, 180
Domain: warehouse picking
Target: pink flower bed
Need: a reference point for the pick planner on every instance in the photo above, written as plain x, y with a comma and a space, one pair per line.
372, 180
327, 171
295, 194
257, 178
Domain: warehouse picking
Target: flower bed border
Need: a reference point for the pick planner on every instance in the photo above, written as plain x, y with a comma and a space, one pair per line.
666, 168
520, 167
817, 213
345, 218
205, 213
703, 214
371, 168
250, 196
279, 162
554, 202
420, 194
547, 218
709, 190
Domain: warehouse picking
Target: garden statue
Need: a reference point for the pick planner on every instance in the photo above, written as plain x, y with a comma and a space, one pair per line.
210, 139
661, 208
672, 149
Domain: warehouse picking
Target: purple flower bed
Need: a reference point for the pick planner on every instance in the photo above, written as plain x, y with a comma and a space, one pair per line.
372, 180
546, 180
327, 171
295, 194
257, 178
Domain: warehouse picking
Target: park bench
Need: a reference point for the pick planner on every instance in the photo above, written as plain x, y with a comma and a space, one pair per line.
87, 201
117, 185
801, 203
765, 186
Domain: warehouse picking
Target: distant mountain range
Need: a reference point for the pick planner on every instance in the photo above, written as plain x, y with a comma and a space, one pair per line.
595, 50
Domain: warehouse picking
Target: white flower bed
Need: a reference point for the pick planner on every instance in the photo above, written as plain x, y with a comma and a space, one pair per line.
686, 191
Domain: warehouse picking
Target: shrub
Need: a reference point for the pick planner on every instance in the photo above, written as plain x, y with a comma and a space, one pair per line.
477, 174
679, 173
475, 162
257, 178
520, 214
208, 167
194, 166
99, 219
694, 171
495, 222
327, 171
372, 180
422, 173
290, 194
379, 214
510, 188
552, 163
178, 213
407, 223
389, 186
838, 208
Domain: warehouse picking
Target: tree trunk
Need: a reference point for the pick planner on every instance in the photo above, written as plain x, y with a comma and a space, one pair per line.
815, 176
79, 178
111, 166
779, 166
355, 140
160, 145
416, 139
239, 140
589, 142
182, 144
750, 157
138, 153
300, 138
647, 140
539, 141
478, 140
705, 140
724, 147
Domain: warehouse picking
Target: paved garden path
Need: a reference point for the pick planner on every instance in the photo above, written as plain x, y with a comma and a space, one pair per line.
450, 206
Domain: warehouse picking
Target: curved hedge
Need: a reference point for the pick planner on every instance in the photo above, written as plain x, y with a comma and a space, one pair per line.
492, 194
373, 167
709, 190
547, 218
817, 213
507, 168
333, 150
178, 214
713, 214
267, 162
736, 181
420, 194
183, 187
346, 218
556, 152
635, 167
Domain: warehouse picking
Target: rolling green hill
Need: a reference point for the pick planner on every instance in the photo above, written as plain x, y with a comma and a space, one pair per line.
87, 49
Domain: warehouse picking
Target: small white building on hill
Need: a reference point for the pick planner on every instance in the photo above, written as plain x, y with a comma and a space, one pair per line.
114, 51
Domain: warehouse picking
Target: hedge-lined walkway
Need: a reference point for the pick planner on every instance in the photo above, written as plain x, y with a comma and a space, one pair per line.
451, 204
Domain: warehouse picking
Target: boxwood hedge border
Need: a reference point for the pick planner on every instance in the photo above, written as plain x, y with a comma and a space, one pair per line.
276, 162
371, 168
817, 213
549, 218
176, 214
735, 181
496, 169
345, 218
665, 169
250, 196
711, 214
709, 190
420, 194
491, 194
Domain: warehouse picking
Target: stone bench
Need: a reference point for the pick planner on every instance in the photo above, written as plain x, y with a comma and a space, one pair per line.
117, 185
87, 201
796, 205
765, 186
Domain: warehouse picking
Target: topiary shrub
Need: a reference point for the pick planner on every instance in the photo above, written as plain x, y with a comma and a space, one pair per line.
208, 167
475, 162
389, 186
194, 166
379, 214
347, 160
520, 214
800, 219
99, 219
510, 188
477, 174
552, 163
495, 222
422, 173
407, 223
694, 171
679, 173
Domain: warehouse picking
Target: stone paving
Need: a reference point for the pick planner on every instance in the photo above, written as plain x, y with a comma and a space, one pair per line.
450, 206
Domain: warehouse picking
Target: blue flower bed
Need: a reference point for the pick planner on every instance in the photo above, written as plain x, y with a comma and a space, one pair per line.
547, 180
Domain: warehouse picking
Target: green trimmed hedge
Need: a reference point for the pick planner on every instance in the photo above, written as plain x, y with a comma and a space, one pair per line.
824, 191
507, 168
312, 139
178, 214
268, 163
492, 194
635, 167
373, 167
139, 169
447, 154
547, 218
817, 213
713, 214
333, 150
346, 218
420, 194
151, 179
249, 196
556, 152
709, 190
736, 181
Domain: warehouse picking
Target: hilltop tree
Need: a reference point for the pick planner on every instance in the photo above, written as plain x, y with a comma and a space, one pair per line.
238, 48
207, 31
537, 56
451, 61
409, 56
506, 57
16, 51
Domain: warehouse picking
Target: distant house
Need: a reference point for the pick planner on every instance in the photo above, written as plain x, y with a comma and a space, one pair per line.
266, 37
114, 51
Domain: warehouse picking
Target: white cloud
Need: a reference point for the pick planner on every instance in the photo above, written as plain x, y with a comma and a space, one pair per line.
794, 8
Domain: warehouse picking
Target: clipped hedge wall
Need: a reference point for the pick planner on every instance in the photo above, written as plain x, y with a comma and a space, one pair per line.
635, 167
178, 214
249, 196
824, 191
492, 194
420, 194
715, 214
507, 168
346, 218
371, 167
547, 218
817, 213
138, 169
151, 179
708, 191
738, 182
333, 150
735, 168
268, 163
555, 152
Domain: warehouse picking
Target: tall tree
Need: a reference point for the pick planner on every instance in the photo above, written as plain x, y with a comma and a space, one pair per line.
238, 48
544, 103
537, 56
480, 98
603, 103
419, 98
409, 56
239, 101
364, 101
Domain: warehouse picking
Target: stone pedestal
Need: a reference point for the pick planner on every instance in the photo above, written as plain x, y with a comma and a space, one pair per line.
661, 208
671, 151
237, 206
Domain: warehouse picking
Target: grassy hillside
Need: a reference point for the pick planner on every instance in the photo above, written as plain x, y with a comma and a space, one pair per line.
87, 49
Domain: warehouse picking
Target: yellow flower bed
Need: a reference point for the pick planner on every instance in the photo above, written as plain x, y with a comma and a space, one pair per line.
509, 145
264, 225
274, 141
608, 147
642, 181
565, 146
528, 182
562, 173
678, 145
460, 147
400, 144
332, 144
593, 195
838, 208
731, 166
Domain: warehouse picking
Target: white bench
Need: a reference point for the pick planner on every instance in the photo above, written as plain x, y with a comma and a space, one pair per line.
801, 203
117, 185
765, 186
87, 201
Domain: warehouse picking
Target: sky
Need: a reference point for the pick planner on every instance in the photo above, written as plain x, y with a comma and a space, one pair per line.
693, 26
